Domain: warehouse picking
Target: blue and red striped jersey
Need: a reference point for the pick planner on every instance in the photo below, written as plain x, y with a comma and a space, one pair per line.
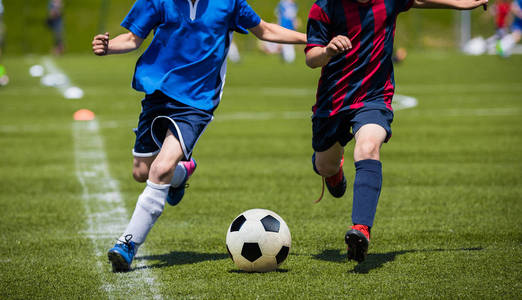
362, 76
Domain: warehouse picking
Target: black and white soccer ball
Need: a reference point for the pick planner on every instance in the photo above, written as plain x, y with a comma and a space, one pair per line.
258, 240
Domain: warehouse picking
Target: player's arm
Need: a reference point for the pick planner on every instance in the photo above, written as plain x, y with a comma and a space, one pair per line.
456, 4
274, 33
123, 43
320, 56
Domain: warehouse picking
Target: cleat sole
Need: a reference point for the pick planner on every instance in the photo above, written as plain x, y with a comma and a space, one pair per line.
357, 245
119, 264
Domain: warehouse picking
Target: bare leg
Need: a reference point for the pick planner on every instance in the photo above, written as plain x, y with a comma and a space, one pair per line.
327, 162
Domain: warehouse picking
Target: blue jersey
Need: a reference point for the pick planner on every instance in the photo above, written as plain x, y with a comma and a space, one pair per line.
362, 76
287, 14
186, 59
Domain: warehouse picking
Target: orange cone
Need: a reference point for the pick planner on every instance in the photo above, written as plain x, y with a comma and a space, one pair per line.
84, 115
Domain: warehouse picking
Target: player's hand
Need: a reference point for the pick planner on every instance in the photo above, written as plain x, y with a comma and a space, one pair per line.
338, 45
100, 44
471, 4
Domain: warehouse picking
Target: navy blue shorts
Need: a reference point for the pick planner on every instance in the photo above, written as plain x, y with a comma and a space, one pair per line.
159, 113
343, 126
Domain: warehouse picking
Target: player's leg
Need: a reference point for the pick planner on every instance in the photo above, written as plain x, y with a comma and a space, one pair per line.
150, 204
141, 168
4, 80
508, 42
288, 53
329, 164
330, 135
366, 188
182, 172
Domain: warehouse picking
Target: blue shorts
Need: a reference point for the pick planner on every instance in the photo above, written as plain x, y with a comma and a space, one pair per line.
343, 126
159, 113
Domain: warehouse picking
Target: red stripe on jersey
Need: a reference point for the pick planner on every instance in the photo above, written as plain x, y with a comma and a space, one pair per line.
357, 105
389, 89
379, 29
353, 24
318, 14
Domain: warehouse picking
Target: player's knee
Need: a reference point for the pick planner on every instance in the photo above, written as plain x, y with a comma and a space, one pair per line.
368, 149
140, 175
162, 171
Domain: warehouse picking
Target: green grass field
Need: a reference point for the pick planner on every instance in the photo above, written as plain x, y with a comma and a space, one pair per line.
448, 223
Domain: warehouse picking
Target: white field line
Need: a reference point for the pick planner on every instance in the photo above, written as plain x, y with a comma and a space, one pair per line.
58, 79
400, 102
106, 215
403, 88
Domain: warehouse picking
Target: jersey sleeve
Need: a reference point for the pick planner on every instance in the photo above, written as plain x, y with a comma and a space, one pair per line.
142, 18
318, 28
244, 17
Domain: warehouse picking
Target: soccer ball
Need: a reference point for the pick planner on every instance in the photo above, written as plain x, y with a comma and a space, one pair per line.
258, 240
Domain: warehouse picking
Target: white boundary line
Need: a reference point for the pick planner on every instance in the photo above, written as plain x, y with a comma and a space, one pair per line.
400, 102
106, 215
58, 79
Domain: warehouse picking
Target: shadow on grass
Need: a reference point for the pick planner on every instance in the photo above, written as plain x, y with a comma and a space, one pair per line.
175, 258
377, 260
245, 272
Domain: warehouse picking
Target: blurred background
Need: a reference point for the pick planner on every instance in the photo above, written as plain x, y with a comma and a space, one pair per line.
27, 32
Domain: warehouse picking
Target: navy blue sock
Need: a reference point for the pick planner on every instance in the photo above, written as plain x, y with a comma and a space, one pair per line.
366, 191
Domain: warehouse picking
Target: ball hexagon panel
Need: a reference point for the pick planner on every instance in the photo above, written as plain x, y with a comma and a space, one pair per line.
265, 264
270, 243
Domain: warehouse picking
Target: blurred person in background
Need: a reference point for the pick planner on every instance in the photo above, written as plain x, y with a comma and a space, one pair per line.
507, 43
399, 55
286, 13
55, 24
233, 53
501, 11
4, 80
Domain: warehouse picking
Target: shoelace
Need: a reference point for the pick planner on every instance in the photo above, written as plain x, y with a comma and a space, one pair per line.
323, 180
127, 243
322, 192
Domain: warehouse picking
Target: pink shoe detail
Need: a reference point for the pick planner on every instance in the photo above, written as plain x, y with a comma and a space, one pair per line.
190, 166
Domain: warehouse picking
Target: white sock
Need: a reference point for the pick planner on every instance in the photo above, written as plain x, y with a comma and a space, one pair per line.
148, 209
507, 43
179, 175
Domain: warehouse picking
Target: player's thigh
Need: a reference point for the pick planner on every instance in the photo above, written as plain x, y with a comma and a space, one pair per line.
368, 141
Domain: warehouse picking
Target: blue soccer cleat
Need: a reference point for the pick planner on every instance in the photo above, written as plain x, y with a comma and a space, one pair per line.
176, 193
121, 254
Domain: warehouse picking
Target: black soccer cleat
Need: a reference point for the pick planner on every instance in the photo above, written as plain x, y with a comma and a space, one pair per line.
337, 190
358, 240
